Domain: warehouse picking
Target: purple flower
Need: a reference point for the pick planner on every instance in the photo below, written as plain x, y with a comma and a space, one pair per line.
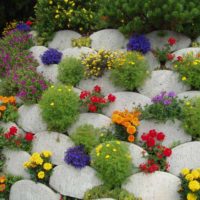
51, 56
171, 94
157, 99
167, 102
139, 43
77, 157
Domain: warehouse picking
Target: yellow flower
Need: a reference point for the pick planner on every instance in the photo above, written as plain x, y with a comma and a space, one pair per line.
107, 156
194, 186
52, 104
107, 145
185, 171
39, 161
114, 150
98, 148
194, 63
66, 1
47, 154
59, 90
50, 2
26, 164
47, 166
118, 142
187, 103
184, 78
195, 173
191, 196
41, 174
52, 86
98, 154
189, 177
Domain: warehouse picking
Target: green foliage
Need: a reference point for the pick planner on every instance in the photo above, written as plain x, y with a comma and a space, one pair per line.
191, 117
10, 114
104, 192
7, 181
75, 15
82, 42
112, 158
145, 16
130, 71
70, 71
60, 107
188, 68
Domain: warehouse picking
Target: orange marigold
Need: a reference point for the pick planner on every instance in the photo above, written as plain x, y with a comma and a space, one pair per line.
131, 129
2, 179
2, 108
12, 100
131, 138
126, 124
2, 187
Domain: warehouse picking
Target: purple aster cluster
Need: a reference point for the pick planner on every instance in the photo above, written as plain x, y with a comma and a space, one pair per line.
77, 157
51, 56
164, 98
23, 27
139, 43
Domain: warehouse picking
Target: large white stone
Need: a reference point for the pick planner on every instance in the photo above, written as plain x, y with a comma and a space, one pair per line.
157, 41
188, 95
136, 154
184, 156
57, 143
152, 60
63, 39
182, 52
37, 52
109, 39
49, 72
156, 186
8, 125
14, 163
77, 52
30, 119
126, 100
172, 130
73, 182
29, 190
95, 119
162, 80
104, 82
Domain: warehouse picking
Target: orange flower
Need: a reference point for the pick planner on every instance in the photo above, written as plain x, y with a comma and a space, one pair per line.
12, 100
135, 122
119, 119
126, 124
136, 113
2, 179
131, 129
114, 117
2, 187
131, 138
2, 108
5, 100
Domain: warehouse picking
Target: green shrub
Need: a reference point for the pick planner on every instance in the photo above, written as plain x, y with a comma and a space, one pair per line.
130, 71
75, 15
188, 68
70, 71
191, 117
103, 192
145, 16
113, 163
60, 107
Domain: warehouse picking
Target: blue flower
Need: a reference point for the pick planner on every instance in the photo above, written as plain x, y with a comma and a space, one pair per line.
77, 157
23, 27
139, 43
51, 56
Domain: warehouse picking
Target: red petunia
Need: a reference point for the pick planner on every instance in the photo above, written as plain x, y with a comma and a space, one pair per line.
94, 99
167, 152
143, 167
144, 137
97, 88
84, 94
92, 108
111, 98
170, 56
151, 142
171, 41
153, 168
29, 136
152, 133
160, 136
13, 130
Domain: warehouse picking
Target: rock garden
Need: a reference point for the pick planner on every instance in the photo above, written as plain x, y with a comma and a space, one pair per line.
100, 100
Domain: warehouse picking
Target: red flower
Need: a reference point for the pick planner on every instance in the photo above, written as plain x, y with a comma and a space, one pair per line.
111, 98
102, 100
160, 136
92, 108
153, 168
153, 133
159, 155
150, 142
97, 88
171, 41
7, 135
29, 136
13, 130
144, 137
29, 23
94, 99
84, 94
167, 152
179, 58
170, 56
143, 167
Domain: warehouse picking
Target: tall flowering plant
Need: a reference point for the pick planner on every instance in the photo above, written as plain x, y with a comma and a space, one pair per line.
126, 124
157, 153
164, 54
95, 101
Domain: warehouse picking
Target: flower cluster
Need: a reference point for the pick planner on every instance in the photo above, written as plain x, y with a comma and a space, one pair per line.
188, 68
139, 43
9, 27
82, 42
11, 139
94, 101
8, 109
126, 123
2, 183
23, 27
166, 106
157, 153
51, 56
39, 166
190, 184
96, 64
164, 53
77, 157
